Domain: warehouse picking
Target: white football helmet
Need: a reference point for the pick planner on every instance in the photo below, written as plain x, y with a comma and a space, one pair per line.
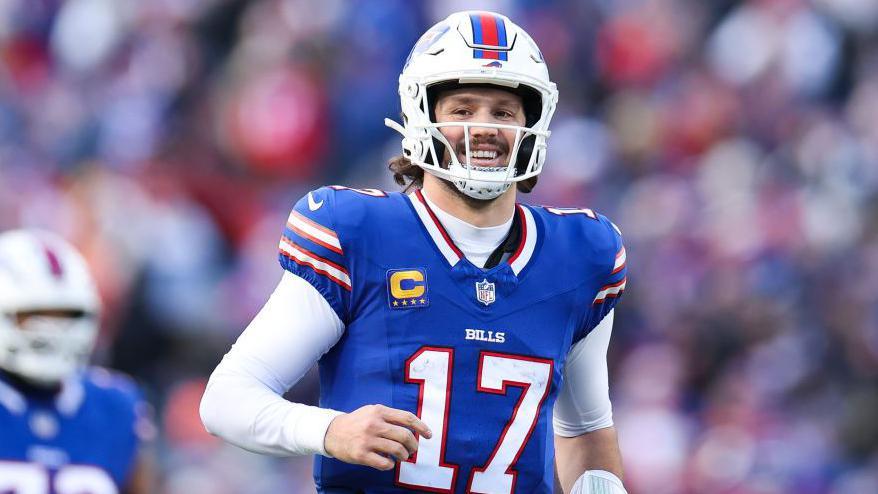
480, 48
40, 272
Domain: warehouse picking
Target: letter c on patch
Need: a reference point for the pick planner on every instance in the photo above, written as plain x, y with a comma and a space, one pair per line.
407, 284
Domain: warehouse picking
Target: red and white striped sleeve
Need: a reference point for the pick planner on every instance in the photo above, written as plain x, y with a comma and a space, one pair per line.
312, 248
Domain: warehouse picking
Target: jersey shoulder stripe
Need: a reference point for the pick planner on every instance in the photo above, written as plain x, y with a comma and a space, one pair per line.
619, 265
315, 242
365, 192
320, 265
616, 287
313, 231
610, 291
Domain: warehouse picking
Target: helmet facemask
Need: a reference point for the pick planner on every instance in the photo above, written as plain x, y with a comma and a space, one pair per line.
44, 349
480, 182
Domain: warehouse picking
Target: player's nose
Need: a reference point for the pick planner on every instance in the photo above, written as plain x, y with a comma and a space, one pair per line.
483, 132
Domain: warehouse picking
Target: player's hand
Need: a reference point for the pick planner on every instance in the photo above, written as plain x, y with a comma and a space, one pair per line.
372, 434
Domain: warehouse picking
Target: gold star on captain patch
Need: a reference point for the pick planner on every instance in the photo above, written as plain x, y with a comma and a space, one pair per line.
404, 302
423, 301
395, 303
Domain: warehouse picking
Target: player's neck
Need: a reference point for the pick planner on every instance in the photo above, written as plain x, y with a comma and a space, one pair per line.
473, 211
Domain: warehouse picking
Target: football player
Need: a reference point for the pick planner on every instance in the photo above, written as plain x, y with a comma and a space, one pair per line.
64, 428
461, 336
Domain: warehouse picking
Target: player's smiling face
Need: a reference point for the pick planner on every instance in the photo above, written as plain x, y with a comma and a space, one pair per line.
489, 147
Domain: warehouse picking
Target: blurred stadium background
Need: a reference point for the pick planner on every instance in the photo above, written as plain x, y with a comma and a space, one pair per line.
734, 142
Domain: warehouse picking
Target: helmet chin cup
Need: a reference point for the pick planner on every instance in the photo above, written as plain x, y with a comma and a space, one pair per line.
477, 189
484, 191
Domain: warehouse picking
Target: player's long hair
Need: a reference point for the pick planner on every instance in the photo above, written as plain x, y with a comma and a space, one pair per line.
411, 176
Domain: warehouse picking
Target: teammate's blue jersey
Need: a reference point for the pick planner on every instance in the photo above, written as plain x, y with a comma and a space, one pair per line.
83, 439
477, 354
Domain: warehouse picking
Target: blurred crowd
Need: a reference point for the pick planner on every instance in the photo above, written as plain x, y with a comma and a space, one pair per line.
735, 143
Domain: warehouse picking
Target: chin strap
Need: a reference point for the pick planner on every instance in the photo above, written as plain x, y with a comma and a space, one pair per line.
598, 482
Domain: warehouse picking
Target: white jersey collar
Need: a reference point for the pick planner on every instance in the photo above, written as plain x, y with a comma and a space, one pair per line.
450, 250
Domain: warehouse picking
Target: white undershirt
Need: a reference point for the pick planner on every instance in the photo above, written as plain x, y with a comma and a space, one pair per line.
477, 243
243, 401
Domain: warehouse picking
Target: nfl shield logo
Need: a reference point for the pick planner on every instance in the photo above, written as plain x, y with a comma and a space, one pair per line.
485, 292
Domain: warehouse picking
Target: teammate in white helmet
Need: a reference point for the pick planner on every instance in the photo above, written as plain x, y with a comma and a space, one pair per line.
66, 428
461, 335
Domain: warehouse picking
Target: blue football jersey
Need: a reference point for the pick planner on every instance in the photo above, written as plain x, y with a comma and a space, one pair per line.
83, 439
477, 354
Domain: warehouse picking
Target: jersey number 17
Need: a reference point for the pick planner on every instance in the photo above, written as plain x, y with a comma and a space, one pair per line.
431, 369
